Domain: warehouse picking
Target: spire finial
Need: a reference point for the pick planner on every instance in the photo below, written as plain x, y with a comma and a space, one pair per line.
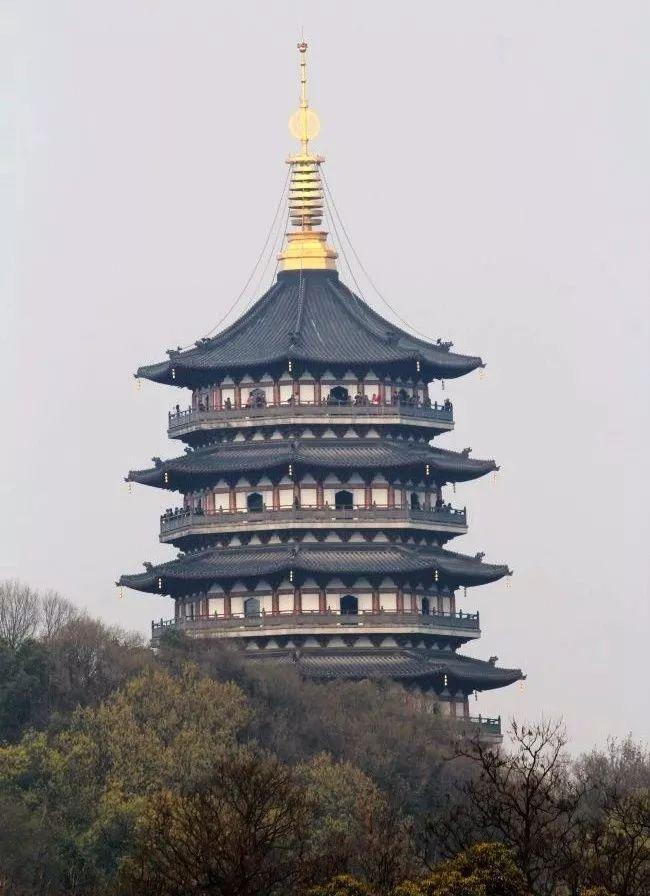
304, 124
306, 246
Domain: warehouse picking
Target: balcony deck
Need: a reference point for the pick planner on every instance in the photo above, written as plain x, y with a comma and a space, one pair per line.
186, 524
464, 626
194, 420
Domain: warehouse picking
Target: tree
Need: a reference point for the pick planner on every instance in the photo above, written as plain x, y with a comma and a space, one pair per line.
612, 843
341, 885
354, 829
20, 613
81, 789
485, 869
56, 614
526, 799
24, 688
242, 832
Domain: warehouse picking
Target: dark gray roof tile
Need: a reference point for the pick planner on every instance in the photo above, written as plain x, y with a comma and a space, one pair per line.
333, 326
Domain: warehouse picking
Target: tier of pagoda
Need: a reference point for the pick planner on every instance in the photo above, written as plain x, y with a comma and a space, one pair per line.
314, 516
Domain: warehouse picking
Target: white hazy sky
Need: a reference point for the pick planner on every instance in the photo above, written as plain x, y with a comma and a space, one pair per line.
490, 161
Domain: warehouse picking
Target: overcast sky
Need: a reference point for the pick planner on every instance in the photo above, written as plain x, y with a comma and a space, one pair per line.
490, 162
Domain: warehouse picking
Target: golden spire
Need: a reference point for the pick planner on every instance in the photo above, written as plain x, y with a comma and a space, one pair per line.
306, 247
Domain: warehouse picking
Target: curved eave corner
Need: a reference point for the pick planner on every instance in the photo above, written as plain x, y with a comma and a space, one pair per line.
152, 476
450, 366
157, 373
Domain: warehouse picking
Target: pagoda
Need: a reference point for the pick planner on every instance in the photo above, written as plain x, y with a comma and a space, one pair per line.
313, 520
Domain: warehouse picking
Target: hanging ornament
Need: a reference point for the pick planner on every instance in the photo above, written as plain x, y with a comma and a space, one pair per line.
442, 385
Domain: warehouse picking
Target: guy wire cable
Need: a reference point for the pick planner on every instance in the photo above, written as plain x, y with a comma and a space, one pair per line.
360, 263
252, 273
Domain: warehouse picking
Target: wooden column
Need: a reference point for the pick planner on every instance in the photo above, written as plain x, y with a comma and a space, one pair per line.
276, 393
319, 495
275, 602
439, 603
367, 496
391, 496
227, 611
400, 600
382, 393
452, 603
237, 395
317, 392
375, 599
232, 499
297, 600
414, 602
322, 601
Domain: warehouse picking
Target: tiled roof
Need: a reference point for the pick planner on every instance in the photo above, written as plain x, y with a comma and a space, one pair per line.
312, 317
197, 571
329, 454
395, 663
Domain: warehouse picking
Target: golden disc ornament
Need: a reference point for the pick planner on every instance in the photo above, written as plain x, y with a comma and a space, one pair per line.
304, 125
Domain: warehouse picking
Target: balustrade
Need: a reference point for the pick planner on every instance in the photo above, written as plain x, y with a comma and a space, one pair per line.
181, 518
179, 418
279, 619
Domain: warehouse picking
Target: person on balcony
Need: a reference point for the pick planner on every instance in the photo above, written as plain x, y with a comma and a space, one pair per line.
227, 404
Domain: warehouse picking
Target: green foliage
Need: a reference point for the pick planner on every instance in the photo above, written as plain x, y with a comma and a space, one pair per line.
83, 788
342, 885
184, 771
24, 678
486, 869
241, 833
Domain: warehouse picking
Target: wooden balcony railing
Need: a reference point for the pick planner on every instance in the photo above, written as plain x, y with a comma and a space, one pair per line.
181, 519
180, 419
466, 622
